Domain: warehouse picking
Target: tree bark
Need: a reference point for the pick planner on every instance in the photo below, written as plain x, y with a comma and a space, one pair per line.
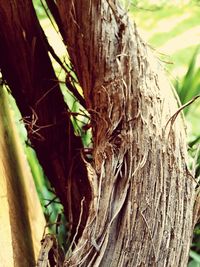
27, 68
142, 191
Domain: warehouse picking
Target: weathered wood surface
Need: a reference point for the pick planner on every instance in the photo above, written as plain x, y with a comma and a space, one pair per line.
143, 194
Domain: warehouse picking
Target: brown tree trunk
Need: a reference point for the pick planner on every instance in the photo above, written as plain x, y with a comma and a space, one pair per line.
27, 68
142, 192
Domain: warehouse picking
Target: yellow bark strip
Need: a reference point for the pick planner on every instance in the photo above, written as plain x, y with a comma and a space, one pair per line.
21, 219
6, 251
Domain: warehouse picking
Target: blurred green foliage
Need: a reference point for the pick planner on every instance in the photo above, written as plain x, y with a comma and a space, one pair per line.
38, 4
189, 86
172, 30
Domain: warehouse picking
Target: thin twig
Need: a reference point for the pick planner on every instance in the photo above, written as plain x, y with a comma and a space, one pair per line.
78, 225
173, 117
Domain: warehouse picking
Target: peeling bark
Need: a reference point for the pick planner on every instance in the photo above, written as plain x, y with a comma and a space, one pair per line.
142, 191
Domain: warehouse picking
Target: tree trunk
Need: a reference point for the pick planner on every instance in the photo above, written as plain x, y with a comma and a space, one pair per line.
142, 191
27, 68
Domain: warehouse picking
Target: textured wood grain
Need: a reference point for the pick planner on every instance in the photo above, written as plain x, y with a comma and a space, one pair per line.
143, 212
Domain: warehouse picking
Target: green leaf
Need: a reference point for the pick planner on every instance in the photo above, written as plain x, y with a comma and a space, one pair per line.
194, 142
195, 256
193, 263
191, 81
